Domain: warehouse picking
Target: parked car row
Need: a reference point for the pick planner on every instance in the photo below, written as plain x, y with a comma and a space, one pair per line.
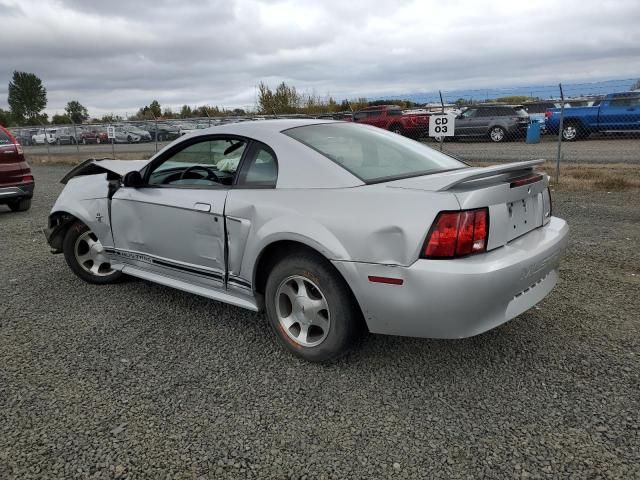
496, 122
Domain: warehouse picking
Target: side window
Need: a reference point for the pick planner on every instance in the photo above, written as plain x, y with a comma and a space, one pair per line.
625, 102
359, 116
4, 138
206, 163
470, 113
260, 168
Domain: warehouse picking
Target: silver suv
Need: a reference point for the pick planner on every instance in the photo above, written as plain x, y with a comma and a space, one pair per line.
498, 122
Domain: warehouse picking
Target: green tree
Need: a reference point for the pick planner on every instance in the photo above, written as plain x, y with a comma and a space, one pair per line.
155, 109
27, 97
58, 119
186, 112
5, 118
76, 111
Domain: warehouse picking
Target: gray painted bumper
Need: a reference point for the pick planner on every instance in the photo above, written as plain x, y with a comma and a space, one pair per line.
16, 192
463, 297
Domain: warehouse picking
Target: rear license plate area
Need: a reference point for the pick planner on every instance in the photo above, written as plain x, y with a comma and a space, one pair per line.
522, 216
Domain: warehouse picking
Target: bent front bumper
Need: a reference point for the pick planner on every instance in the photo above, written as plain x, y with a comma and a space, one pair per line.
461, 297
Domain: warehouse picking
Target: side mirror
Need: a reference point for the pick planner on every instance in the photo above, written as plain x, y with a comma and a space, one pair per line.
133, 179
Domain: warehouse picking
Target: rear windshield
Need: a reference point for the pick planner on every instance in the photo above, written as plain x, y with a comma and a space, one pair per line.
372, 154
4, 138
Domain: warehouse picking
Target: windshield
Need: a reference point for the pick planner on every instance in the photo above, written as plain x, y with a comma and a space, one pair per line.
372, 154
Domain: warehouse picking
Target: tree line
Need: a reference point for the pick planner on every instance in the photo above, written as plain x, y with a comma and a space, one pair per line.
27, 100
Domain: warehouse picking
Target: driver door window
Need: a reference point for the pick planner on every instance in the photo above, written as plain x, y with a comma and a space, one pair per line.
204, 164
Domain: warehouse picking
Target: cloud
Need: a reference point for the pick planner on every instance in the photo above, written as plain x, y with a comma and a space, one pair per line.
119, 55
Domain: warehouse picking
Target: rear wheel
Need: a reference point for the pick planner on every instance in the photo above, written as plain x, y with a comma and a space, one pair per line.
397, 129
85, 256
20, 205
311, 309
572, 131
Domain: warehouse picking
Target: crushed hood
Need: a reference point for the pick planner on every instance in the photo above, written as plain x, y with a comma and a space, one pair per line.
95, 166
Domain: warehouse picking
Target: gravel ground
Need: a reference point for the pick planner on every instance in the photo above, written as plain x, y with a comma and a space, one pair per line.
596, 149
139, 381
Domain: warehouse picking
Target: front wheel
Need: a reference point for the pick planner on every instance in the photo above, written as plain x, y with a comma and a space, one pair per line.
311, 308
497, 134
85, 256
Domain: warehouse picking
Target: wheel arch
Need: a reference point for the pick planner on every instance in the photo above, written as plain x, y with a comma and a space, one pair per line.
272, 253
58, 224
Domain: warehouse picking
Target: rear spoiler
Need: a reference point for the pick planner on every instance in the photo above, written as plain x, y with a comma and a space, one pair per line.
456, 177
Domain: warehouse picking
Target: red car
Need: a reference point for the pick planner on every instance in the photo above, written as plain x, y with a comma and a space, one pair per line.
93, 136
391, 117
16, 180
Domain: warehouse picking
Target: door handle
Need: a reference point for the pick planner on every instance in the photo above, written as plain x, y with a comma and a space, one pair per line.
202, 207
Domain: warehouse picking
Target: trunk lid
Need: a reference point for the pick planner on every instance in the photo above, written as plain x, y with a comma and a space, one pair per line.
517, 197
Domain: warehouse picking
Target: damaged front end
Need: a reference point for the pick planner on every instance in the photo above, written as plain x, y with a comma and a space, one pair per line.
86, 197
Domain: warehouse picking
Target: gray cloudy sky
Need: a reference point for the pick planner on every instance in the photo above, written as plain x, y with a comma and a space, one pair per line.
116, 55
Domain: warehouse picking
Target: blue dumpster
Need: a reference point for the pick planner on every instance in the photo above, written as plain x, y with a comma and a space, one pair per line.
533, 132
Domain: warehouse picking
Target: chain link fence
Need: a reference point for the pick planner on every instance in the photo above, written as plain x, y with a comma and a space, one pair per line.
586, 123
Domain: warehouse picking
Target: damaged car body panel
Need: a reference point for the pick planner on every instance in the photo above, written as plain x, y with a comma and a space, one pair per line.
217, 210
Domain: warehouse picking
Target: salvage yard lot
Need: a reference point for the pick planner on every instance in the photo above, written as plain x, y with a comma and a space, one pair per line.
138, 380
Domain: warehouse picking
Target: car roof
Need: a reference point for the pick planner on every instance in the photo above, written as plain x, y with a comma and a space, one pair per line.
299, 166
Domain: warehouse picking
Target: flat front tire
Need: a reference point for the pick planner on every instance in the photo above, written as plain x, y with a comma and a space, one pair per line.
311, 309
85, 256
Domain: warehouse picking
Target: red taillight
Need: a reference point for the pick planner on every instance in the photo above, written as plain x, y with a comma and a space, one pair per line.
548, 113
19, 149
456, 234
27, 178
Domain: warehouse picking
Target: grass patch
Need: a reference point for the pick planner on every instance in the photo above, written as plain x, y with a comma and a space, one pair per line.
580, 177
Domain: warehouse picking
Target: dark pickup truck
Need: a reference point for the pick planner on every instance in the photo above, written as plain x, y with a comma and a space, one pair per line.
617, 112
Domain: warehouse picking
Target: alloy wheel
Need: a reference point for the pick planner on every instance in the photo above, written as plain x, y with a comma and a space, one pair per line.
89, 254
497, 134
303, 311
569, 132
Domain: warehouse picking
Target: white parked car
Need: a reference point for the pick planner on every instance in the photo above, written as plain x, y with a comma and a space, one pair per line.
49, 135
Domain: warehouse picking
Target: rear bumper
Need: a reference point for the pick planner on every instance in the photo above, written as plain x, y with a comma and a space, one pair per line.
16, 192
463, 297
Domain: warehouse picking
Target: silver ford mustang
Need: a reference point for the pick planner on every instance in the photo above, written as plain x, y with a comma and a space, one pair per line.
332, 228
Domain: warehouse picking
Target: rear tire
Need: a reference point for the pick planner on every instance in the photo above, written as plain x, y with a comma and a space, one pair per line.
85, 256
311, 309
20, 205
397, 129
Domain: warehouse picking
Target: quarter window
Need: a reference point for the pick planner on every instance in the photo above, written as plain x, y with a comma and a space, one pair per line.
260, 170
